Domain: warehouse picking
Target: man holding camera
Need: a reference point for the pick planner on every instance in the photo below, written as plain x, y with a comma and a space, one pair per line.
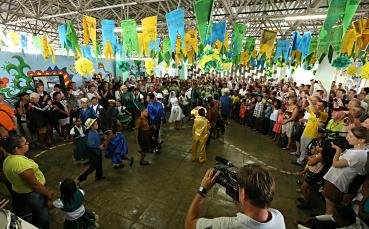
256, 187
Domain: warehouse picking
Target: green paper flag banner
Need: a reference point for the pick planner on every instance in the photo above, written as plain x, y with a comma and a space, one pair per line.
351, 7
166, 50
204, 11
339, 9
130, 37
250, 44
72, 37
237, 38
37, 43
313, 45
334, 39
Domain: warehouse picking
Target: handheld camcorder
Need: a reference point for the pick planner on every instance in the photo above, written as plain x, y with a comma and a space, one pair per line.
227, 176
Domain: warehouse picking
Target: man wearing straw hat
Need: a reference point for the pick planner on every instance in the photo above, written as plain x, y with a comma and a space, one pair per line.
94, 150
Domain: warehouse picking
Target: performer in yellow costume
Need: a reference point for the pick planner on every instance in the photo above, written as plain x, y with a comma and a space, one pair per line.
200, 134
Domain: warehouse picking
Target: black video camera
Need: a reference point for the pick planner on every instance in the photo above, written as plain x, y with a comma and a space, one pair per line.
227, 176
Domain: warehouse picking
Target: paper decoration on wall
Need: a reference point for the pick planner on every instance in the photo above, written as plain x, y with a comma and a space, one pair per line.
364, 71
352, 70
62, 30
107, 28
267, 43
282, 49
84, 67
204, 11
72, 38
130, 37
218, 32
237, 38
89, 30
175, 22
14, 36
149, 32
341, 62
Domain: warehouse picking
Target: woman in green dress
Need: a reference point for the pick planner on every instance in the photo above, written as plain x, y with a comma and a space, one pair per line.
124, 116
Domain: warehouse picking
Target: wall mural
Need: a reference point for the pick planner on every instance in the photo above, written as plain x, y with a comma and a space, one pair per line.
52, 72
20, 82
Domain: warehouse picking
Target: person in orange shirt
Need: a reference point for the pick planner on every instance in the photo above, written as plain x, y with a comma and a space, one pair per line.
7, 117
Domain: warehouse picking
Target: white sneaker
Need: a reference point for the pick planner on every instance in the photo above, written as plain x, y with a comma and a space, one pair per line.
295, 154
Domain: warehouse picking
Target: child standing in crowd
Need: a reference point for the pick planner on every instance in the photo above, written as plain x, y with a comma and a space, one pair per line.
277, 129
274, 116
86, 112
250, 112
243, 108
80, 142
258, 113
200, 134
267, 113
124, 117
71, 202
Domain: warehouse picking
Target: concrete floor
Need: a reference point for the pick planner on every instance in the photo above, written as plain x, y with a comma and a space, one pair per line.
158, 195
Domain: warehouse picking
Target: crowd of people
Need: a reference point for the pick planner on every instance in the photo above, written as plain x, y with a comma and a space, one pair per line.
327, 130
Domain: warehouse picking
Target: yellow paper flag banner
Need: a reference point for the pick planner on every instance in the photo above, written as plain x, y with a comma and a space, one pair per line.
89, 30
140, 44
46, 49
267, 43
226, 41
149, 66
218, 45
191, 41
179, 56
362, 35
348, 42
15, 38
108, 51
149, 32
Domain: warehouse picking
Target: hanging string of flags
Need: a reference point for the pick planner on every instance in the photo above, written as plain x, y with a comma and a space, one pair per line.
209, 45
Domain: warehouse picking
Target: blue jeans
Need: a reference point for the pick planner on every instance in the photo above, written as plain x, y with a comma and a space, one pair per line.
35, 202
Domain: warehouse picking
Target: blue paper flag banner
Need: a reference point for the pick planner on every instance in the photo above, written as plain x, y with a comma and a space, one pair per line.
62, 29
296, 38
107, 28
23, 41
304, 45
157, 46
175, 22
283, 48
86, 52
118, 49
152, 45
218, 32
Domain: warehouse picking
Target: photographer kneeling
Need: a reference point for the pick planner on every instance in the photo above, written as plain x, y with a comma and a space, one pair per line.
256, 187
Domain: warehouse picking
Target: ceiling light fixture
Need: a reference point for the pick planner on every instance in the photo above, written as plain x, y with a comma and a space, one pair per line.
111, 7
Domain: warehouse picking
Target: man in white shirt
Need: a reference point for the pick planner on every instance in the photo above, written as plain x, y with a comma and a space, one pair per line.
255, 193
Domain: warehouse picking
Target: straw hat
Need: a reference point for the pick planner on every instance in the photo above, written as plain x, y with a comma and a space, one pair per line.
226, 91
165, 92
84, 100
111, 101
89, 122
123, 87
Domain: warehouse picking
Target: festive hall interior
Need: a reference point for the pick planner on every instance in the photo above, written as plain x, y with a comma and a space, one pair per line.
188, 114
